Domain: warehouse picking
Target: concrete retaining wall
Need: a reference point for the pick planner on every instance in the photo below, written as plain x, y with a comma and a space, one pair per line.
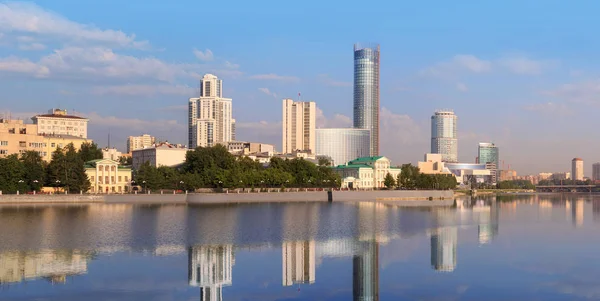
263, 197
51, 199
392, 195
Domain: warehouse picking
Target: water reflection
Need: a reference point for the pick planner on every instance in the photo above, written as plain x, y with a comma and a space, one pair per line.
56, 243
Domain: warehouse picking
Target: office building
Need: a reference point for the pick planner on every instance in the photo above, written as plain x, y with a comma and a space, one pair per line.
107, 176
577, 169
209, 116
596, 172
343, 144
298, 262
137, 142
59, 123
443, 135
298, 126
366, 92
366, 172
17, 137
489, 154
162, 154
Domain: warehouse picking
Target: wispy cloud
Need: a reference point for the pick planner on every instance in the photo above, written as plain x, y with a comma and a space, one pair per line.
551, 108
337, 121
526, 66
328, 81
28, 18
462, 87
32, 46
231, 65
145, 90
272, 76
267, 91
14, 64
205, 56
467, 63
585, 92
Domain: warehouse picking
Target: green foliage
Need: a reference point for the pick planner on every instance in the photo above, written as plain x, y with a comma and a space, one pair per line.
411, 178
516, 184
89, 152
126, 160
66, 169
35, 170
389, 181
11, 172
408, 176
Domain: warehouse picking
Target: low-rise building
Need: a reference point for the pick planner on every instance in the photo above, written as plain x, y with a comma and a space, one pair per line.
111, 153
469, 172
107, 176
243, 147
162, 154
59, 122
432, 165
366, 172
507, 175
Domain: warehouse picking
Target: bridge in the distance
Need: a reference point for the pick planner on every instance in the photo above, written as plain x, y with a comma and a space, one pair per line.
565, 188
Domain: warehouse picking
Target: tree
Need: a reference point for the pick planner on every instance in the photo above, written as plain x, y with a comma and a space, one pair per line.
324, 161
408, 176
126, 160
89, 152
66, 169
389, 181
35, 170
12, 172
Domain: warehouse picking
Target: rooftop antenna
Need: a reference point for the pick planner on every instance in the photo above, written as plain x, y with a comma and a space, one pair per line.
298, 96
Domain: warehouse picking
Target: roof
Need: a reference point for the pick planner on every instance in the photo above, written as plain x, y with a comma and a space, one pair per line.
92, 163
354, 166
59, 116
577, 159
366, 159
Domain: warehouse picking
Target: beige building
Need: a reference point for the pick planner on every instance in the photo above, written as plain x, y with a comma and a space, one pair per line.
210, 115
244, 148
106, 176
163, 154
298, 126
577, 169
59, 122
366, 172
137, 142
432, 165
17, 137
111, 153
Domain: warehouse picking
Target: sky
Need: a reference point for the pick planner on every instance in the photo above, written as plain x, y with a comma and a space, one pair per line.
522, 74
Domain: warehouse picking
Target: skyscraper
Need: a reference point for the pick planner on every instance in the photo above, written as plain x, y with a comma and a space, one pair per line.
366, 92
596, 172
137, 142
577, 169
343, 145
488, 153
443, 135
210, 119
298, 125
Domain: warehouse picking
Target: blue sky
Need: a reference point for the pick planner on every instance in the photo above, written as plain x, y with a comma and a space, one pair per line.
522, 74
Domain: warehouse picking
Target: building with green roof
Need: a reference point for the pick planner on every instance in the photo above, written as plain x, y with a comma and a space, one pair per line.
107, 176
366, 172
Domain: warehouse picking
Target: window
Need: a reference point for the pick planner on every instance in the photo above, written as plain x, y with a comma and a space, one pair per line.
60, 145
3, 143
3, 152
92, 179
120, 179
53, 145
126, 179
112, 179
106, 179
22, 144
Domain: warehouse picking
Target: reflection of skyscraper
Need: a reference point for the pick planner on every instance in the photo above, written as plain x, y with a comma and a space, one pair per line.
365, 273
577, 213
210, 269
596, 210
50, 264
298, 260
443, 249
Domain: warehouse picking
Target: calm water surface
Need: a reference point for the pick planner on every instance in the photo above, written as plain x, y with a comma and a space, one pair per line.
541, 247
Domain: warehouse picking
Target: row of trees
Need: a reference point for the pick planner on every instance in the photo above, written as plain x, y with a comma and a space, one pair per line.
516, 184
215, 167
411, 178
29, 172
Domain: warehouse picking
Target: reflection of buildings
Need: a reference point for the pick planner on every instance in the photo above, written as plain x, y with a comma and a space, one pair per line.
577, 213
210, 269
444, 241
54, 265
298, 260
365, 273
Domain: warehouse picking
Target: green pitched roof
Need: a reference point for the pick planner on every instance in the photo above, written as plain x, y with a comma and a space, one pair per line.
354, 166
366, 159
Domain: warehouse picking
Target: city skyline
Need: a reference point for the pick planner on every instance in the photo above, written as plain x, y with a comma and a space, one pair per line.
133, 76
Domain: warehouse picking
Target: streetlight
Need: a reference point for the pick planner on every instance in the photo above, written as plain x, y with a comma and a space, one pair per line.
144, 184
57, 183
180, 183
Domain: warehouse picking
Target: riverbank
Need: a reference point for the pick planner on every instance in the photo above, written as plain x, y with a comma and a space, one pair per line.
407, 196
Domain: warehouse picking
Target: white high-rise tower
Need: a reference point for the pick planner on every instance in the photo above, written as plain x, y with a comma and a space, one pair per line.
210, 121
443, 135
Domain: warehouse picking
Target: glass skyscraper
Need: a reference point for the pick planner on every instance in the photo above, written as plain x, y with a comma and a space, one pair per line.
342, 145
443, 135
489, 153
366, 92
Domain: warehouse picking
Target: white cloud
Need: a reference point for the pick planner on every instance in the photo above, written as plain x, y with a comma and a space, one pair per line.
267, 91
462, 87
272, 76
145, 90
32, 46
133, 123
328, 81
205, 56
17, 65
398, 130
526, 66
28, 18
231, 65
585, 92
551, 108
470, 63
337, 121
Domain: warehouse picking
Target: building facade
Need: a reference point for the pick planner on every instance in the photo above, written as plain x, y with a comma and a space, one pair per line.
366, 172
298, 126
577, 169
210, 115
467, 173
432, 165
107, 176
489, 154
444, 136
245, 148
343, 144
17, 137
596, 172
366, 92
111, 154
59, 123
137, 142
163, 154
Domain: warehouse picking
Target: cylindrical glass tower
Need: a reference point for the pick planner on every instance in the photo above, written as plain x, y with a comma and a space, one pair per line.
366, 92
443, 135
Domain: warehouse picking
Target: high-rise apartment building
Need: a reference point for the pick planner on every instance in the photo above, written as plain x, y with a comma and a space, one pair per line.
366, 92
298, 125
59, 122
138, 142
596, 172
577, 169
489, 154
209, 118
443, 135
